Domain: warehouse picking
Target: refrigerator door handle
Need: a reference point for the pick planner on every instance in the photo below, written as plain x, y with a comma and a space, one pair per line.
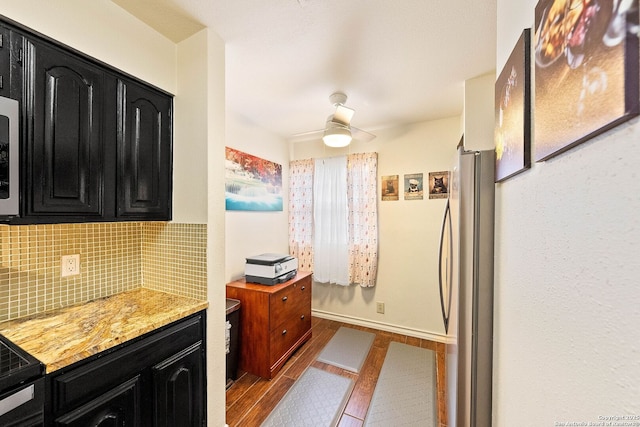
445, 267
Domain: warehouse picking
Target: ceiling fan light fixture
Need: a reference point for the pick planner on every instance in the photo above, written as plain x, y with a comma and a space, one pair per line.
337, 137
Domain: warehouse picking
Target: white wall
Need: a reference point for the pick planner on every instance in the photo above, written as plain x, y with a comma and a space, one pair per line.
253, 233
191, 123
478, 112
215, 111
409, 234
566, 337
101, 29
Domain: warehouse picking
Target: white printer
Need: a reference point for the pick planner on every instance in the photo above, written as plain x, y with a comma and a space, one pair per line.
270, 269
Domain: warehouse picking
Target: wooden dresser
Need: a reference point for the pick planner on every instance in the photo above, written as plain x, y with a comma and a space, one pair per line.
274, 322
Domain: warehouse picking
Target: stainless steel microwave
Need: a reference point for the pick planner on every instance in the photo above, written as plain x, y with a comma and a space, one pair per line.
9, 157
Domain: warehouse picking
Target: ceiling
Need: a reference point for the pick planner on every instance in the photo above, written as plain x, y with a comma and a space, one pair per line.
399, 62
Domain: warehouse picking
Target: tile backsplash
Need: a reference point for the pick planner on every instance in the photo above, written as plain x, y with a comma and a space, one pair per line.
174, 258
114, 257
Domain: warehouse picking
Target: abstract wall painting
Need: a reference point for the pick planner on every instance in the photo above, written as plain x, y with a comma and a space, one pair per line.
512, 131
586, 70
251, 183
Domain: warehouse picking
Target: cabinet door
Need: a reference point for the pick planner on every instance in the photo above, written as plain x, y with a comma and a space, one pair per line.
5, 61
10, 63
64, 142
119, 407
144, 170
178, 389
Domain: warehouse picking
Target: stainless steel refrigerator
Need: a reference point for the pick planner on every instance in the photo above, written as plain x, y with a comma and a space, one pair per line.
466, 288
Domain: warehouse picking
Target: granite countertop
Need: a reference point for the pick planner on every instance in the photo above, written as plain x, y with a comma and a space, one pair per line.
61, 337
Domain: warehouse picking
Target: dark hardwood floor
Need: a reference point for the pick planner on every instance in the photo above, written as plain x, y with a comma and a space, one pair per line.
250, 399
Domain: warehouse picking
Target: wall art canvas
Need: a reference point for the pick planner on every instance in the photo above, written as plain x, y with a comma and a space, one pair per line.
512, 131
251, 183
390, 187
586, 70
438, 185
413, 186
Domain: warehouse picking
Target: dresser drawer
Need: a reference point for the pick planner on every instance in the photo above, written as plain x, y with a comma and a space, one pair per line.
286, 334
289, 302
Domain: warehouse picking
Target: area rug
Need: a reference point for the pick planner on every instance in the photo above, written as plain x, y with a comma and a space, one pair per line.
316, 399
347, 349
405, 394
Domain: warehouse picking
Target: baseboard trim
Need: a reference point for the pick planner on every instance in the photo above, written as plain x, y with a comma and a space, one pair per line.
381, 326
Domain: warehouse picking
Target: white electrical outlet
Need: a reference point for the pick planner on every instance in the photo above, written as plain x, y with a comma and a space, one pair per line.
70, 265
380, 307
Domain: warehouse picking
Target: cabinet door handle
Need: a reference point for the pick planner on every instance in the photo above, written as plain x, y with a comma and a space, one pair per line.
302, 317
302, 288
285, 298
284, 332
1, 82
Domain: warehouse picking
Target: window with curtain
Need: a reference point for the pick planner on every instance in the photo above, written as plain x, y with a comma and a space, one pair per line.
333, 218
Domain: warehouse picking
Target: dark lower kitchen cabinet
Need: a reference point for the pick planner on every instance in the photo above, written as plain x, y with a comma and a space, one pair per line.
178, 392
115, 408
158, 380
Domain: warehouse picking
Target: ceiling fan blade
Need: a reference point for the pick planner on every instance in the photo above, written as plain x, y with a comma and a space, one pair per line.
343, 115
361, 135
307, 136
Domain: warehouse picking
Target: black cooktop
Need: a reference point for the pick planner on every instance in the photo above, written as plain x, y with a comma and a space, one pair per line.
16, 365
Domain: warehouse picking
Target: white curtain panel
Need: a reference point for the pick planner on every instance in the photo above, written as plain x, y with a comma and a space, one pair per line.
330, 218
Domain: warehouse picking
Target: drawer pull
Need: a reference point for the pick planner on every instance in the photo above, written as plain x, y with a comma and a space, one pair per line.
302, 317
302, 288
285, 298
284, 332
16, 399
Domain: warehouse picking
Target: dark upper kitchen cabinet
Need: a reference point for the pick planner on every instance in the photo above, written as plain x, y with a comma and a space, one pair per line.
5, 60
96, 143
144, 152
65, 145
10, 63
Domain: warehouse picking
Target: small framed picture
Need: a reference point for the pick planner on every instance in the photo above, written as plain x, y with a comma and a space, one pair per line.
439, 185
390, 187
413, 186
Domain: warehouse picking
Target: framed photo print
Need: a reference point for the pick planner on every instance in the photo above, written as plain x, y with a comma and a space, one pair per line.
390, 187
513, 112
439, 185
251, 183
413, 186
586, 70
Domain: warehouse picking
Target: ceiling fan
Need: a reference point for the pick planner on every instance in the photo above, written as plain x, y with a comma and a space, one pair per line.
338, 131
